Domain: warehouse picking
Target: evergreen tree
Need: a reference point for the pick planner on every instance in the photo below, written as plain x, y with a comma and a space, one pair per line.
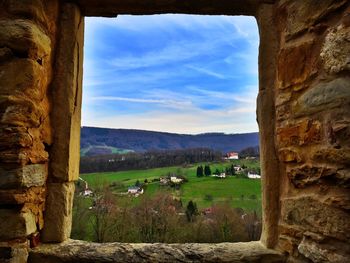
191, 211
200, 171
207, 170
233, 172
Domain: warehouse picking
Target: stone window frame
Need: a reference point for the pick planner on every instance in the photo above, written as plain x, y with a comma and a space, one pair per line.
67, 91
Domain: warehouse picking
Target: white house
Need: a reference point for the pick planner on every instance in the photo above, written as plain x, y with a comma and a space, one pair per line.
237, 168
175, 180
254, 176
86, 192
232, 156
221, 175
135, 190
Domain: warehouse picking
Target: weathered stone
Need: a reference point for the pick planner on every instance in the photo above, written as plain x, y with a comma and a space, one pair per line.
14, 224
301, 17
5, 54
302, 133
67, 86
293, 231
25, 38
283, 112
340, 201
15, 137
34, 195
320, 253
20, 111
23, 77
336, 50
111, 8
307, 175
332, 155
58, 213
323, 96
283, 97
13, 157
289, 155
13, 253
268, 51
28, 8
26, 176
339, 132
296, 64
287, 244
315, 216
80, 251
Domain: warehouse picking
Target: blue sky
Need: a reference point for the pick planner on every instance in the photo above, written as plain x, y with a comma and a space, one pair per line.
173, 73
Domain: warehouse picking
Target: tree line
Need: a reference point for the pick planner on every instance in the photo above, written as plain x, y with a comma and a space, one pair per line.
147, 160
160, 218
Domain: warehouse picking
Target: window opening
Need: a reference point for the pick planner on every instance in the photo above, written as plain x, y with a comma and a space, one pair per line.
169, 143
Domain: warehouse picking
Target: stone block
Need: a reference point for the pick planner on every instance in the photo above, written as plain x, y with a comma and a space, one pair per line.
14, 224
336, 49
302, 133
23, 77
333, 155
58, 213
301, 16
13, 253
289, 156
25, 38
5, 54
28, 8
21, 112
340, 201
339, 130
88, 252
13, 137
314, 216
306, 175
323, 96
33, 195
26, 176
283, 98
296, 64
317, 252
67, 90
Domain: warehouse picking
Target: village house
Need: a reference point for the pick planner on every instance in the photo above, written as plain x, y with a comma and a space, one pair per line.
135, 190
237, 168
163, 181
87, 193
221, 175
175, 180
253, 176
232, 156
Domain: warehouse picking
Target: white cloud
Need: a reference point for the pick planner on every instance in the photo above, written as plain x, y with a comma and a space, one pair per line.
198, 121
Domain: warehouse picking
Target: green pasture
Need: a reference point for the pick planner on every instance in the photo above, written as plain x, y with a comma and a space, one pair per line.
205, 191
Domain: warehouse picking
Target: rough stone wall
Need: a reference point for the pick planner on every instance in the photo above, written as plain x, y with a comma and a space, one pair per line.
303, 112
313, 129
27, 41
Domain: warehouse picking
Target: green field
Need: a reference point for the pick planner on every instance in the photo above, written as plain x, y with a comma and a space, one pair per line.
205, 191
113, 150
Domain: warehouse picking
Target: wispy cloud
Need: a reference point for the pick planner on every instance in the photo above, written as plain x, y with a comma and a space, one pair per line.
167, 102
207, 72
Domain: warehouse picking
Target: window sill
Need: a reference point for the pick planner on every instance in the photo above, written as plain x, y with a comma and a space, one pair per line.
82, 251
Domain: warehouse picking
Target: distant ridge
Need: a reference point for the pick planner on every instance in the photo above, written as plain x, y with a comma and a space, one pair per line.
104, 140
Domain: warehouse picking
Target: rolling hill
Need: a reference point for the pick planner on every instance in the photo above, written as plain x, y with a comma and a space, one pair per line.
105, 141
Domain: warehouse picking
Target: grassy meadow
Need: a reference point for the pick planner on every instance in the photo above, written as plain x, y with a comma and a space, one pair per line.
205, 191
